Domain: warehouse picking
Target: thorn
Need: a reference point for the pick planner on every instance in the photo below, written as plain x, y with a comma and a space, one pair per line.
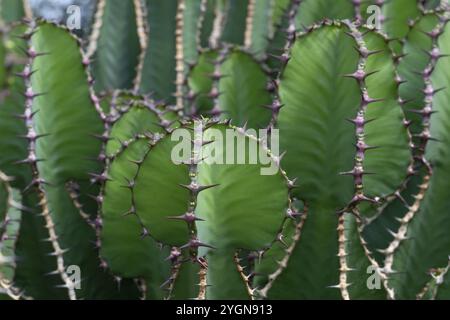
129, 212
292, 213
434, 34
26, 73
102, 137
435, 54
292, 183
26, 115
216, 75
29, 94
52, 273
35, 182
425, 135
423, 111
362, 146
399, 81
275, 106
175, 253
360, 121
400, 197
355, 172
283, 58
278, 159
365, 53
144, 233
196, 188
32, 136
214, 93
203, 142
30, 160
280, 238
130, 184
99, 199
99, 178
189, 217
368, 100
167, 282
361, 197
27, 35
360, 75
403, 102
58, 252
195, 243
430, 91
136, 162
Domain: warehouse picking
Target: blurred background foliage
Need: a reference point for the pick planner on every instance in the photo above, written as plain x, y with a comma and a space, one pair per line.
56, 10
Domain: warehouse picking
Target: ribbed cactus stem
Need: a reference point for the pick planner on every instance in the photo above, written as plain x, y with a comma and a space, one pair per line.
200, 21
179, 56
283, 264
215, 93
410, 171
358, 171
163, 122
401, 235
360, 121
203, 281
379, 270
10, 203
248, 238
342, 255
290, 36
5, 181
102, 158
291, 30
194, 189
7, 289
9, 232
284, 58
113, 107
175, 258
95, 31
291, 216
437, 278
424, 137
103, 177
417, 158
245, 278
121, 149
73, 190
132, 184
218, 25
249, 23
189, 217
429, 91
141, 26
12, 291
32, 160
142, 30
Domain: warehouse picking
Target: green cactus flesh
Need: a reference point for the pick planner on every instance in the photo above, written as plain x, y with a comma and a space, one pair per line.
226, 149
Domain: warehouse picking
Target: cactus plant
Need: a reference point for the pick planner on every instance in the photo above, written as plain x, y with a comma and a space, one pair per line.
352, 204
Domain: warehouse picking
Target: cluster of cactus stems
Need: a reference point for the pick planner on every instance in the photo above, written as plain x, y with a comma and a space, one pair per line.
358, 207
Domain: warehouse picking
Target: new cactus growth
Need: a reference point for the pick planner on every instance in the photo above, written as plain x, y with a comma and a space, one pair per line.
99, 198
